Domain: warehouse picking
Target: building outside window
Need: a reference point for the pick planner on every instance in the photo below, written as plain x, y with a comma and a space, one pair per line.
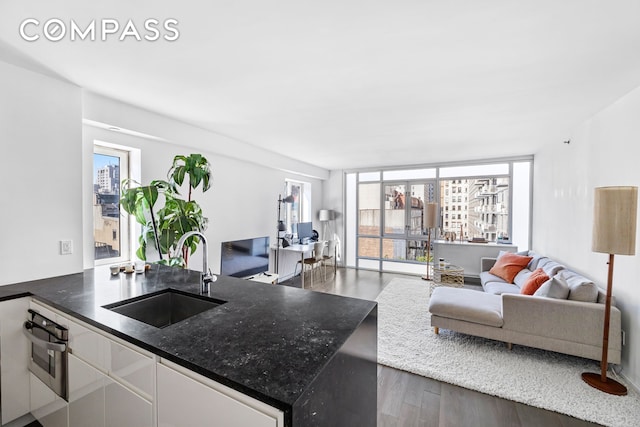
486, 216
110, 226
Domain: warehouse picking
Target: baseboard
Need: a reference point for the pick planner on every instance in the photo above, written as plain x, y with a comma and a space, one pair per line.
630, 383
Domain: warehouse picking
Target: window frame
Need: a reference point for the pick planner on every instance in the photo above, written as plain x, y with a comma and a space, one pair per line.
304, 204
456, 173
124, 220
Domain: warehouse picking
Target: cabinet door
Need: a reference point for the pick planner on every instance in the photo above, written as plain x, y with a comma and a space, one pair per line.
14, 358
86, 394
133, 368
86, 344
124, 408
46, 406
184, 402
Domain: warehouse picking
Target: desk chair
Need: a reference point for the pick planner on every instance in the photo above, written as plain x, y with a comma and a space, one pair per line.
316, 259
330, 255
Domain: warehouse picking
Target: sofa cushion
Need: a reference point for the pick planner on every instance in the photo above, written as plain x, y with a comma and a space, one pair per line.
556, 287
580, 288
550, 267
468, 305
499, 288
508, 265
522, 277
533, 264
486, 277
535, 280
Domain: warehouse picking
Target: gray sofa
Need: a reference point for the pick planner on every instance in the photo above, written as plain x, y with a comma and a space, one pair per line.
565, 315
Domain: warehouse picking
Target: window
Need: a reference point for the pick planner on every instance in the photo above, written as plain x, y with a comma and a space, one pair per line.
300, 209
110, 226
488, 200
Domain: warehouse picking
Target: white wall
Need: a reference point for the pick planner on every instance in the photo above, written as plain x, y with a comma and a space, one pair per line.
40, 137
242, 202
603, 151
48, 161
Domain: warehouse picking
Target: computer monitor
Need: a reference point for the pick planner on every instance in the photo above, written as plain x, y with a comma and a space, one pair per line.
305, 231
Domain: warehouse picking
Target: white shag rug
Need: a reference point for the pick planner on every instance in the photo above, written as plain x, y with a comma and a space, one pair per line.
535, 377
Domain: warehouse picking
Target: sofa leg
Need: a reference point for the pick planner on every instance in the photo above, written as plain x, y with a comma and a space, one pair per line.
436, 330
509, 346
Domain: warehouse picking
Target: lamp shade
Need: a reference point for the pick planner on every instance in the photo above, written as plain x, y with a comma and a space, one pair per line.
324, 214
614, 220
431, 215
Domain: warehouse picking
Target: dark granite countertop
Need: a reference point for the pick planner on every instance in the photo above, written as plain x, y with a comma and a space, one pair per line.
268, 342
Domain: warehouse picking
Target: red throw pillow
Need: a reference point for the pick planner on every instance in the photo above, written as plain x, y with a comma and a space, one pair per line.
533, 282
509, 265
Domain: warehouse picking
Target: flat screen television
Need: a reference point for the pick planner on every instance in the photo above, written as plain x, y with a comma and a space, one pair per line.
244, 258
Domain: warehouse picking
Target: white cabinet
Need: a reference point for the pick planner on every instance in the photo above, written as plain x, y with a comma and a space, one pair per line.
115, 384
186, 399
86, 394
124, 408
131, 368
14, 359
96, 400
111, 383
46, 406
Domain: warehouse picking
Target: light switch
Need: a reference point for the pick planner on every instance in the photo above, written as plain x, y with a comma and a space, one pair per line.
66, 247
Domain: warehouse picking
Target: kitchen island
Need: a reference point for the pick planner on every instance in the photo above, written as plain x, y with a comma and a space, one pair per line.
310, 355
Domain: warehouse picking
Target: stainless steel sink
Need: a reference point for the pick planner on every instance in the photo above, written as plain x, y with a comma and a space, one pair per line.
164, 308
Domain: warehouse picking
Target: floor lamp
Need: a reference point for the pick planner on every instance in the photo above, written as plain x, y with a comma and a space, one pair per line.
614, 232
281, 227
431, 221
324, 216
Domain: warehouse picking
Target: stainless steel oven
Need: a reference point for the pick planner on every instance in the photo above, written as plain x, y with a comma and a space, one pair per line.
49, 352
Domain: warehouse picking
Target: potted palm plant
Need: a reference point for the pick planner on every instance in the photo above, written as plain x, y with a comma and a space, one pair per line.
163, 226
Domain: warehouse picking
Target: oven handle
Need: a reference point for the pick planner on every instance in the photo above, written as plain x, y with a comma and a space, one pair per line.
54, 346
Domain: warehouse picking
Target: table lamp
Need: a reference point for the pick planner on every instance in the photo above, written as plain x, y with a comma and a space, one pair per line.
614, 232
430, 221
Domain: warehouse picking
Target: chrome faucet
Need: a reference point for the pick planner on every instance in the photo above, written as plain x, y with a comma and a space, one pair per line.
205, 277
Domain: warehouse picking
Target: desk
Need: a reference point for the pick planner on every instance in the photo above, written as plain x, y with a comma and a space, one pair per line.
298, 251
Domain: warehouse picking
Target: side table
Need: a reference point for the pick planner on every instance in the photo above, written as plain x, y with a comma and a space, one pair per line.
448, 275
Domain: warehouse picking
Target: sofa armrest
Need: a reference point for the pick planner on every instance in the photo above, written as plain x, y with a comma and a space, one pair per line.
486, 263
572, 321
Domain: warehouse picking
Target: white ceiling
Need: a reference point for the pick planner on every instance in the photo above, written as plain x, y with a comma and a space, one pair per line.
358, 83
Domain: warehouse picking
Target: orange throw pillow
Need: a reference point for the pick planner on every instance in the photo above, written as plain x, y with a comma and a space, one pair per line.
509, 265
533, 282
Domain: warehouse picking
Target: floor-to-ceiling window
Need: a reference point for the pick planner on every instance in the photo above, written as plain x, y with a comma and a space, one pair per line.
488, 201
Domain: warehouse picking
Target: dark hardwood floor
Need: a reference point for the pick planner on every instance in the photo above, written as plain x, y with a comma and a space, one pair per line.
405, 399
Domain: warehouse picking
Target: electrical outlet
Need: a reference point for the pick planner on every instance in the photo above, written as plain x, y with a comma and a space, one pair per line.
66, 247
624, 338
